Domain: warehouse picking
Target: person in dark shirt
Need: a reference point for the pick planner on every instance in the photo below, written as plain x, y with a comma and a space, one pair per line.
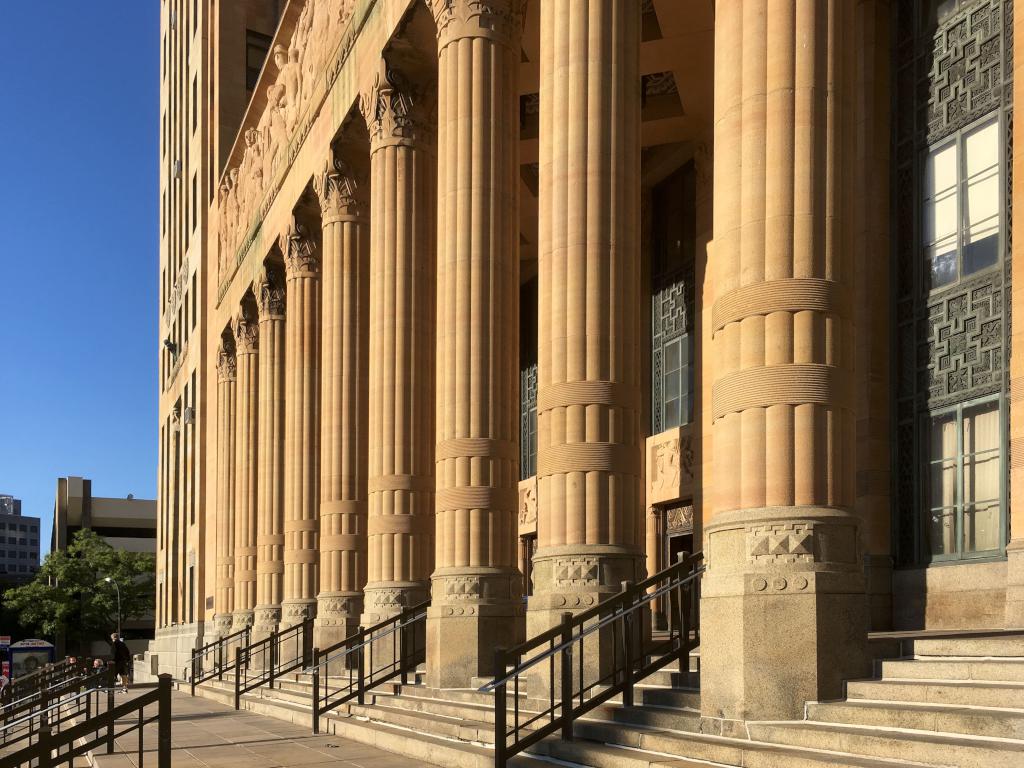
122, 659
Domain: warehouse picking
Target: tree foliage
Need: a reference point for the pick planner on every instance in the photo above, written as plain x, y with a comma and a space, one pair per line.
69, 594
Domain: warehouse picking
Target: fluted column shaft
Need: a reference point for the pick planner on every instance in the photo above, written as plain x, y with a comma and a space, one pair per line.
476, 588
302, 425
344, 202
270, 298
225, 533
781, 543
591, 523
400, 524
246, 468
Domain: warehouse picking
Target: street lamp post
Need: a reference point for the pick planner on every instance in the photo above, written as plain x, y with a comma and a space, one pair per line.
118, 589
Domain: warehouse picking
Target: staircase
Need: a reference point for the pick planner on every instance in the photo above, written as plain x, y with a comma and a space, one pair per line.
946, 701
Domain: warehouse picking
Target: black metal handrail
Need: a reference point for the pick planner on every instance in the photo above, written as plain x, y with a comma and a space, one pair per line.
63, 703
351, 665
47, 676
56, 745
281, 652
213, 659
42, 698
573, 688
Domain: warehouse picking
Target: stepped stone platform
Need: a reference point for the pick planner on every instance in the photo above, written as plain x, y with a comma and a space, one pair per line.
946, 699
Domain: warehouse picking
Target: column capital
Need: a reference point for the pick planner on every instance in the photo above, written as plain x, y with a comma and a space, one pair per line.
395, 110
498, 20
226, 360
270, 292
342, 190
247, 333
301, 256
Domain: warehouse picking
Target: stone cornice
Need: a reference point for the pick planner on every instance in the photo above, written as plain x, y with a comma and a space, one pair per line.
498, 20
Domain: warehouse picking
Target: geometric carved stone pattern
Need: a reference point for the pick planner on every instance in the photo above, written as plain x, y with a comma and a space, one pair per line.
781, 542
952, 344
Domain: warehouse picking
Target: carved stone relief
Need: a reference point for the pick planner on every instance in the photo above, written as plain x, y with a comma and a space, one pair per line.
299, 66
670, 466
528, 506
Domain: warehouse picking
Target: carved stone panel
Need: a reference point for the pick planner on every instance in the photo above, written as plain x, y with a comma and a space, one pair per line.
670, 466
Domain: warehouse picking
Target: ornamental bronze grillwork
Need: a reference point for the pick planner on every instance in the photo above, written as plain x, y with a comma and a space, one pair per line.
950, 345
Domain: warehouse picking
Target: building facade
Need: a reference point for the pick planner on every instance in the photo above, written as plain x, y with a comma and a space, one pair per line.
469, 301
19, 542
127, 524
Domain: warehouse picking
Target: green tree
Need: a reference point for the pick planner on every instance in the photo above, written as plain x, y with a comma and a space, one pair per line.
69, 596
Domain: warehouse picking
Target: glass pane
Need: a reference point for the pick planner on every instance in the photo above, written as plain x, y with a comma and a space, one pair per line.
981, 527
672, 386
981, 477
943, 267
939, 217
942, 485
981, 149
940, 171
671, 414
942, 531
981, 208
981, 428
981, 254
942, 442
672, 356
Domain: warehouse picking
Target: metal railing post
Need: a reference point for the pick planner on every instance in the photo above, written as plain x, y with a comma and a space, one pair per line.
307, 642
193, 681
360, 670
403, 667
627, 652
273, 658
567, 676
43, 741
164, 722
220, 659
238, 674
316, 690
499, 710
111, 678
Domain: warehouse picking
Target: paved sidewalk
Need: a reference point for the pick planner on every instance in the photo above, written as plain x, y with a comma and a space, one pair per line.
207, 734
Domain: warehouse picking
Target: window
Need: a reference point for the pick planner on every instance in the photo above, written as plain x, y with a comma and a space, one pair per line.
528, 380
961, 206
32, 529
195, 103
673, 244
256, 47
963, 481
195, 198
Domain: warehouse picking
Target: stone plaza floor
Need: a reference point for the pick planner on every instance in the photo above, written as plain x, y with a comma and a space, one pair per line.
206, 734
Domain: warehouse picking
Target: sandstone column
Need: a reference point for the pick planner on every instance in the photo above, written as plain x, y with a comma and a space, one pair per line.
784, 615
246, 467
224, 595
344, 201
270, 299
476, 587
400, 524
301, 424
591, 524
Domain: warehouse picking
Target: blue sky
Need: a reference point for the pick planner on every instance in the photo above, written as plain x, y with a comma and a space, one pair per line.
78, 253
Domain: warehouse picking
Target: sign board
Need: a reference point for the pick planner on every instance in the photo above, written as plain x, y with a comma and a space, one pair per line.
5, 641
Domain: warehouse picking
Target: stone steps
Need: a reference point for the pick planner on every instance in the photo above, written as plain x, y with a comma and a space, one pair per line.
977, 721
641, 747
997, 644
973, 693
955, 668
929, 748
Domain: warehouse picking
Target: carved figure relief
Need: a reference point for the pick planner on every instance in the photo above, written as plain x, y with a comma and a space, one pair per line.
528, 506
299, 65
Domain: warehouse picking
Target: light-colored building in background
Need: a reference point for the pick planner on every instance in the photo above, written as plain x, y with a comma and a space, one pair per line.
19, 542
127, 524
